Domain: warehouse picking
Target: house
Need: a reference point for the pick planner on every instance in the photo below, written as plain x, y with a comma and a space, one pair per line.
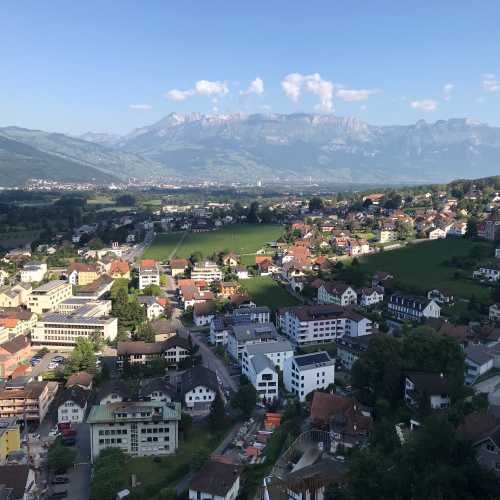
231, 260
441, 296
165, 329
151, 304
158, 389
357, 247
277, 351
13, 353
17, 320
263, 375
19, 482
487, 273
4, 276
387, 235
97, 289
10, 437
458, 229
306, 373
478, 361
436, 233
198, 388
27, 401
80, 274
335, 292
206, 271
482, 430
242, 334
228, 288
80, 379
113, 391
173, 351
370, 296
72, 405
350, 349
119, 269
215, 480
494, 312
348, 424
242, 272
433, 386
382, 280
412, 307
178, 266
203, 313
322, 323
497, 253
149, 273
45, 298
139, 428
33, 272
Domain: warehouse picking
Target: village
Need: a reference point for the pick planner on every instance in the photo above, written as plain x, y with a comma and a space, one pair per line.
249, 350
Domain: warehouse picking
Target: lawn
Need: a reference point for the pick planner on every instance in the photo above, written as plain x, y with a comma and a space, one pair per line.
264, 291
420, 265
165, 473
239, 238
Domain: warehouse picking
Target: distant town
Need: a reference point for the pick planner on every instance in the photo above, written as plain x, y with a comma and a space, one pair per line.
170, 341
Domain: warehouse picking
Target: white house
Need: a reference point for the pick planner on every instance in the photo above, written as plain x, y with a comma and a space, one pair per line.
73, 405
277, 352
206, 271
33, 272
215, 481
242, 273
334, 292
494, 312
436, 234
370, 296
204, 313
153, 308
198, 388
487, 273
440, 296
412, 308
308, 372
478, 361
149, 274
435, 386
263, 376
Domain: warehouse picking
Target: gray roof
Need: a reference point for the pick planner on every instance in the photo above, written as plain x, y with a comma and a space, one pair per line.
51, 285
250, 331
478, 354
269, 347
261, 362
76, 319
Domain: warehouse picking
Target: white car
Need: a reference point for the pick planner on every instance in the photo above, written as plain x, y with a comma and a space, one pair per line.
34, 436
54, 432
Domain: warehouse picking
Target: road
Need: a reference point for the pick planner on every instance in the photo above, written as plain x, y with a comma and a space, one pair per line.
137, 250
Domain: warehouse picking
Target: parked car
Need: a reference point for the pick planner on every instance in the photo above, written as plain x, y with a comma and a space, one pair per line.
54, 432
34, 436
58, 359
60, 480
64, 425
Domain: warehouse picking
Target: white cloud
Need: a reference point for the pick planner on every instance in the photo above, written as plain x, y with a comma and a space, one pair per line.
206, 87
424, 105
294, 83
141, 107
256, 87
363, 107
351, 95
448, 90
490, 83
178, 95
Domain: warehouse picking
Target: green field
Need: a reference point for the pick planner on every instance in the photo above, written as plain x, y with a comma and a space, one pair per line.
264, 291
239, 238
420, 265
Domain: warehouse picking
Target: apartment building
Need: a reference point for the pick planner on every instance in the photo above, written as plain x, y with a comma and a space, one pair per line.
81, 274
139, 428
33, 272
73, 405
322, 323
308, 372
10, 437
149, 273
249, 333
334, 292
27, 401
47, 297
57, 331
263, 375
277, 352
412, 307
206, 271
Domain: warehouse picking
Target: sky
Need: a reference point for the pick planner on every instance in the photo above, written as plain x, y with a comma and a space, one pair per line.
112, 66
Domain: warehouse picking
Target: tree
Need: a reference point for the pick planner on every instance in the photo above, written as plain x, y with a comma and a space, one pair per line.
245, 399
216, 418
404, 230
471, 231
60, 457
107, 474
145, 332
153, 290
196, 257
253, 210
82, 357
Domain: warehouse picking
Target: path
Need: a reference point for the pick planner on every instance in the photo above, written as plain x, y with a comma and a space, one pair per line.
179, 243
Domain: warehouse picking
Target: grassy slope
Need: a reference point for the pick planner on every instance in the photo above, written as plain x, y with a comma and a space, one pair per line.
420, 265
267, 292
240, 238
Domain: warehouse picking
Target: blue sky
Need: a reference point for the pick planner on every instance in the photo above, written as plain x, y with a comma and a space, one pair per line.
111, 66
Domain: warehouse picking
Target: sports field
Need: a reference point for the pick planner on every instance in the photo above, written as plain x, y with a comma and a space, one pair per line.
421, 265
240, 238
264, 291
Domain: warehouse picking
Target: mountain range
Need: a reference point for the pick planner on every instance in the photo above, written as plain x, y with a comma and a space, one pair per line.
268, 147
